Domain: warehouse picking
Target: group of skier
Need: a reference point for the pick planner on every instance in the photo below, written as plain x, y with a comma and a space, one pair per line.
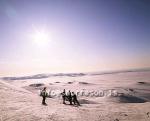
70, 96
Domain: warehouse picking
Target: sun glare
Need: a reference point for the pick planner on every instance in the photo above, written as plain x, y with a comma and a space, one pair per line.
41, 37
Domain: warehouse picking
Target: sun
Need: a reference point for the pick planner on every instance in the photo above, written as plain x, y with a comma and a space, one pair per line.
41, 37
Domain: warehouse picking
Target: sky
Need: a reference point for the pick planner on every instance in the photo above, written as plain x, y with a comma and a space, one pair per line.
50, 36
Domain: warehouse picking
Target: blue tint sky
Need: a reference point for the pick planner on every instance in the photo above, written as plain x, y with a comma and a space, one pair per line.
83, 35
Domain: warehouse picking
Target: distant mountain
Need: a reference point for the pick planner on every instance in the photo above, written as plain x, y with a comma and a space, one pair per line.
41, 76
119, 71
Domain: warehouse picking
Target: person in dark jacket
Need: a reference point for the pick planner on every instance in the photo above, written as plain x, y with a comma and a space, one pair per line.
74, 99
44, 95
64, 96
69, 97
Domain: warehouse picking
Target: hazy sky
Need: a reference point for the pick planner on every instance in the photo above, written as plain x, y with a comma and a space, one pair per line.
81, 35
